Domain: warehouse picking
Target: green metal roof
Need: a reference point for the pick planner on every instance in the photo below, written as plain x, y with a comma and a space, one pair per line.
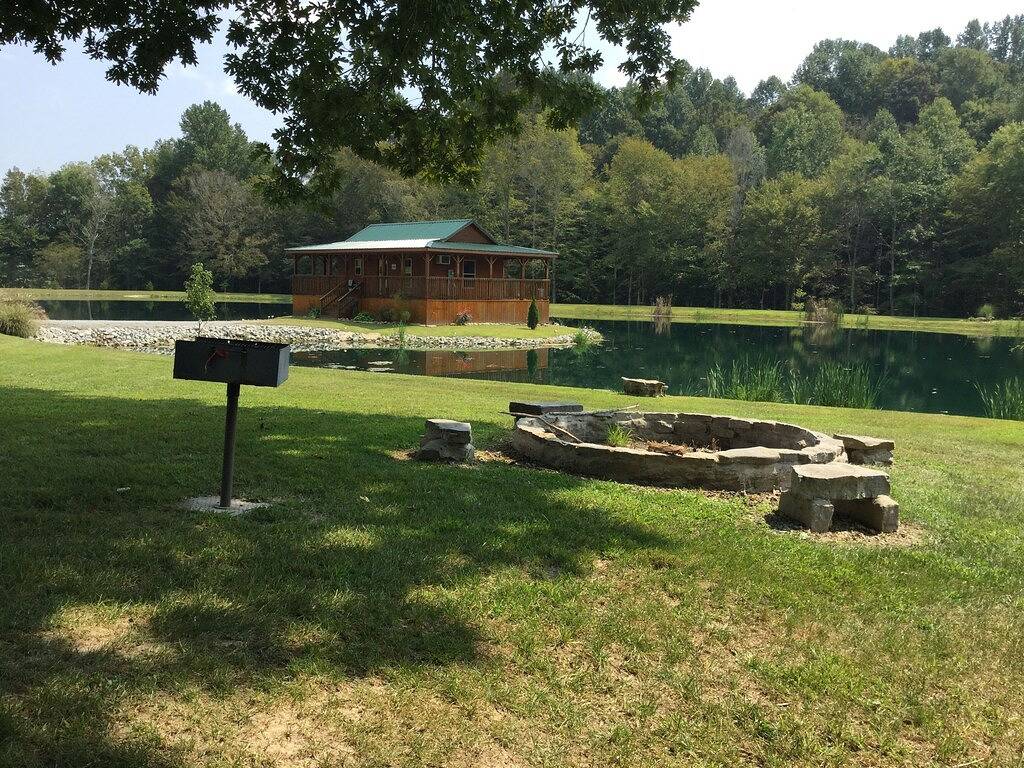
410, 230
418, 235
511, 250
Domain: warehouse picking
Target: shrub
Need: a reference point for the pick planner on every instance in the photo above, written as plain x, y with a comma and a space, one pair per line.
463, 317
987, 312
313, 313
18, 318
533, 315
662, 307
364, 317
1003, 401
828, 311
618, 437
199, 294
386, 315
581, 338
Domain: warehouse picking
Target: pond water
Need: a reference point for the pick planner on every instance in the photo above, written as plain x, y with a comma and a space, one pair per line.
157, 310
927, 372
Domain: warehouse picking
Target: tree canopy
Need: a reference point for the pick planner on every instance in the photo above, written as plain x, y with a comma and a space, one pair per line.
417, 86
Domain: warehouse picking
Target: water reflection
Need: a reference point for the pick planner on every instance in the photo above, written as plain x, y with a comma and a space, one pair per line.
157, 310
918, 371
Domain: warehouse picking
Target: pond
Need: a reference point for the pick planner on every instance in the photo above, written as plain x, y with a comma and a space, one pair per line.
926, 372
157, 310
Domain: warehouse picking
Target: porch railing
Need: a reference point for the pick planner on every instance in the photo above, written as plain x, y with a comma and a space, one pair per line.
447, 288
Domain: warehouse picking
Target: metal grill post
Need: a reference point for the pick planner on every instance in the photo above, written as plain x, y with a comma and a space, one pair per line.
227, 476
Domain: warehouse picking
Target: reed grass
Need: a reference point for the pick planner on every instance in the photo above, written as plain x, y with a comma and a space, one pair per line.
1003, 401
748, 379
832, 384
835, 384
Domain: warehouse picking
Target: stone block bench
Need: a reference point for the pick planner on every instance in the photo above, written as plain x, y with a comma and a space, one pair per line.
644, 387
817, 491
446, 440
867, 450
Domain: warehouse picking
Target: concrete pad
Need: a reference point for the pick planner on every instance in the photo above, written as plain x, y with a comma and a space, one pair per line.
212, 504
838, 481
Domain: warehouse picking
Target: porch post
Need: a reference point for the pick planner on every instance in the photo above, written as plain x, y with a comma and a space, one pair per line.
458, 275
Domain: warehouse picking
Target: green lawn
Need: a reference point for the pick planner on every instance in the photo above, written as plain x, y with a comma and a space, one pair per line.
779, 317
490, 330
71, 294
386, 612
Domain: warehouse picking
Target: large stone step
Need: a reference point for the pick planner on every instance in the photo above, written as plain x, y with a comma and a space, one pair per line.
838, 480
817, 491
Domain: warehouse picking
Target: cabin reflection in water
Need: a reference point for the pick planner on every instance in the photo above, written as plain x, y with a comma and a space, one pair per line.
501, 365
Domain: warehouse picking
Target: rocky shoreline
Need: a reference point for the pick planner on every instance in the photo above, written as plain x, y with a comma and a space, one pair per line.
158, 337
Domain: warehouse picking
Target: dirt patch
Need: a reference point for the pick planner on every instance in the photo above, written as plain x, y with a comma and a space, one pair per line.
764, 511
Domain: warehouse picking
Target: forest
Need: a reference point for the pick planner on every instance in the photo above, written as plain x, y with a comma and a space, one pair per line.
886, 181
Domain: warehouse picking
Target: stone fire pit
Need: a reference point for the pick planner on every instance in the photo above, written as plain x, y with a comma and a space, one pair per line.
676, 449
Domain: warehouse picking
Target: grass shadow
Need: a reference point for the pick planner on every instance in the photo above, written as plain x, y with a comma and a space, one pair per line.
349, 572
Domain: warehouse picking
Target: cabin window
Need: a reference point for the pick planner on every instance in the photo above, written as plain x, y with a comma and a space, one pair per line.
357, 266
407, 265
469, 269
444, 258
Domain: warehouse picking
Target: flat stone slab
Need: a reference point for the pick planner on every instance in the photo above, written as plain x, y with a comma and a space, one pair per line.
865, 443
212, 504
519, 408
643, 387
755, 455
838, 480
449, 431
861, 449
446, 440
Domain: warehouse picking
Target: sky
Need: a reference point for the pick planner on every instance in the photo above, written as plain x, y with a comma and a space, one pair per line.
68, 112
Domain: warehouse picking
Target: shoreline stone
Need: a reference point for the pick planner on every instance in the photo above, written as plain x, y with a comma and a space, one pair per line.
159, 337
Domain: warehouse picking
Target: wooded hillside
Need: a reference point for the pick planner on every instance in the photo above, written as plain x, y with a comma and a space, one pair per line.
889, 180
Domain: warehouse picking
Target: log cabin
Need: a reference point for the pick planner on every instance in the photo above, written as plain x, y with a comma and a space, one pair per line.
432, 270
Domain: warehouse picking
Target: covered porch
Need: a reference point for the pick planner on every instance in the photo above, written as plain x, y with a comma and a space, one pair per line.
433, 287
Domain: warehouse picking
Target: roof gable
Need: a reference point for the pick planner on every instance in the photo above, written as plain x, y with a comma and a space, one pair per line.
410, 230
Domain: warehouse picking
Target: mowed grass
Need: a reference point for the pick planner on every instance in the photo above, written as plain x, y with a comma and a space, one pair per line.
387, 612
75, 294
780, 317
489, 330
